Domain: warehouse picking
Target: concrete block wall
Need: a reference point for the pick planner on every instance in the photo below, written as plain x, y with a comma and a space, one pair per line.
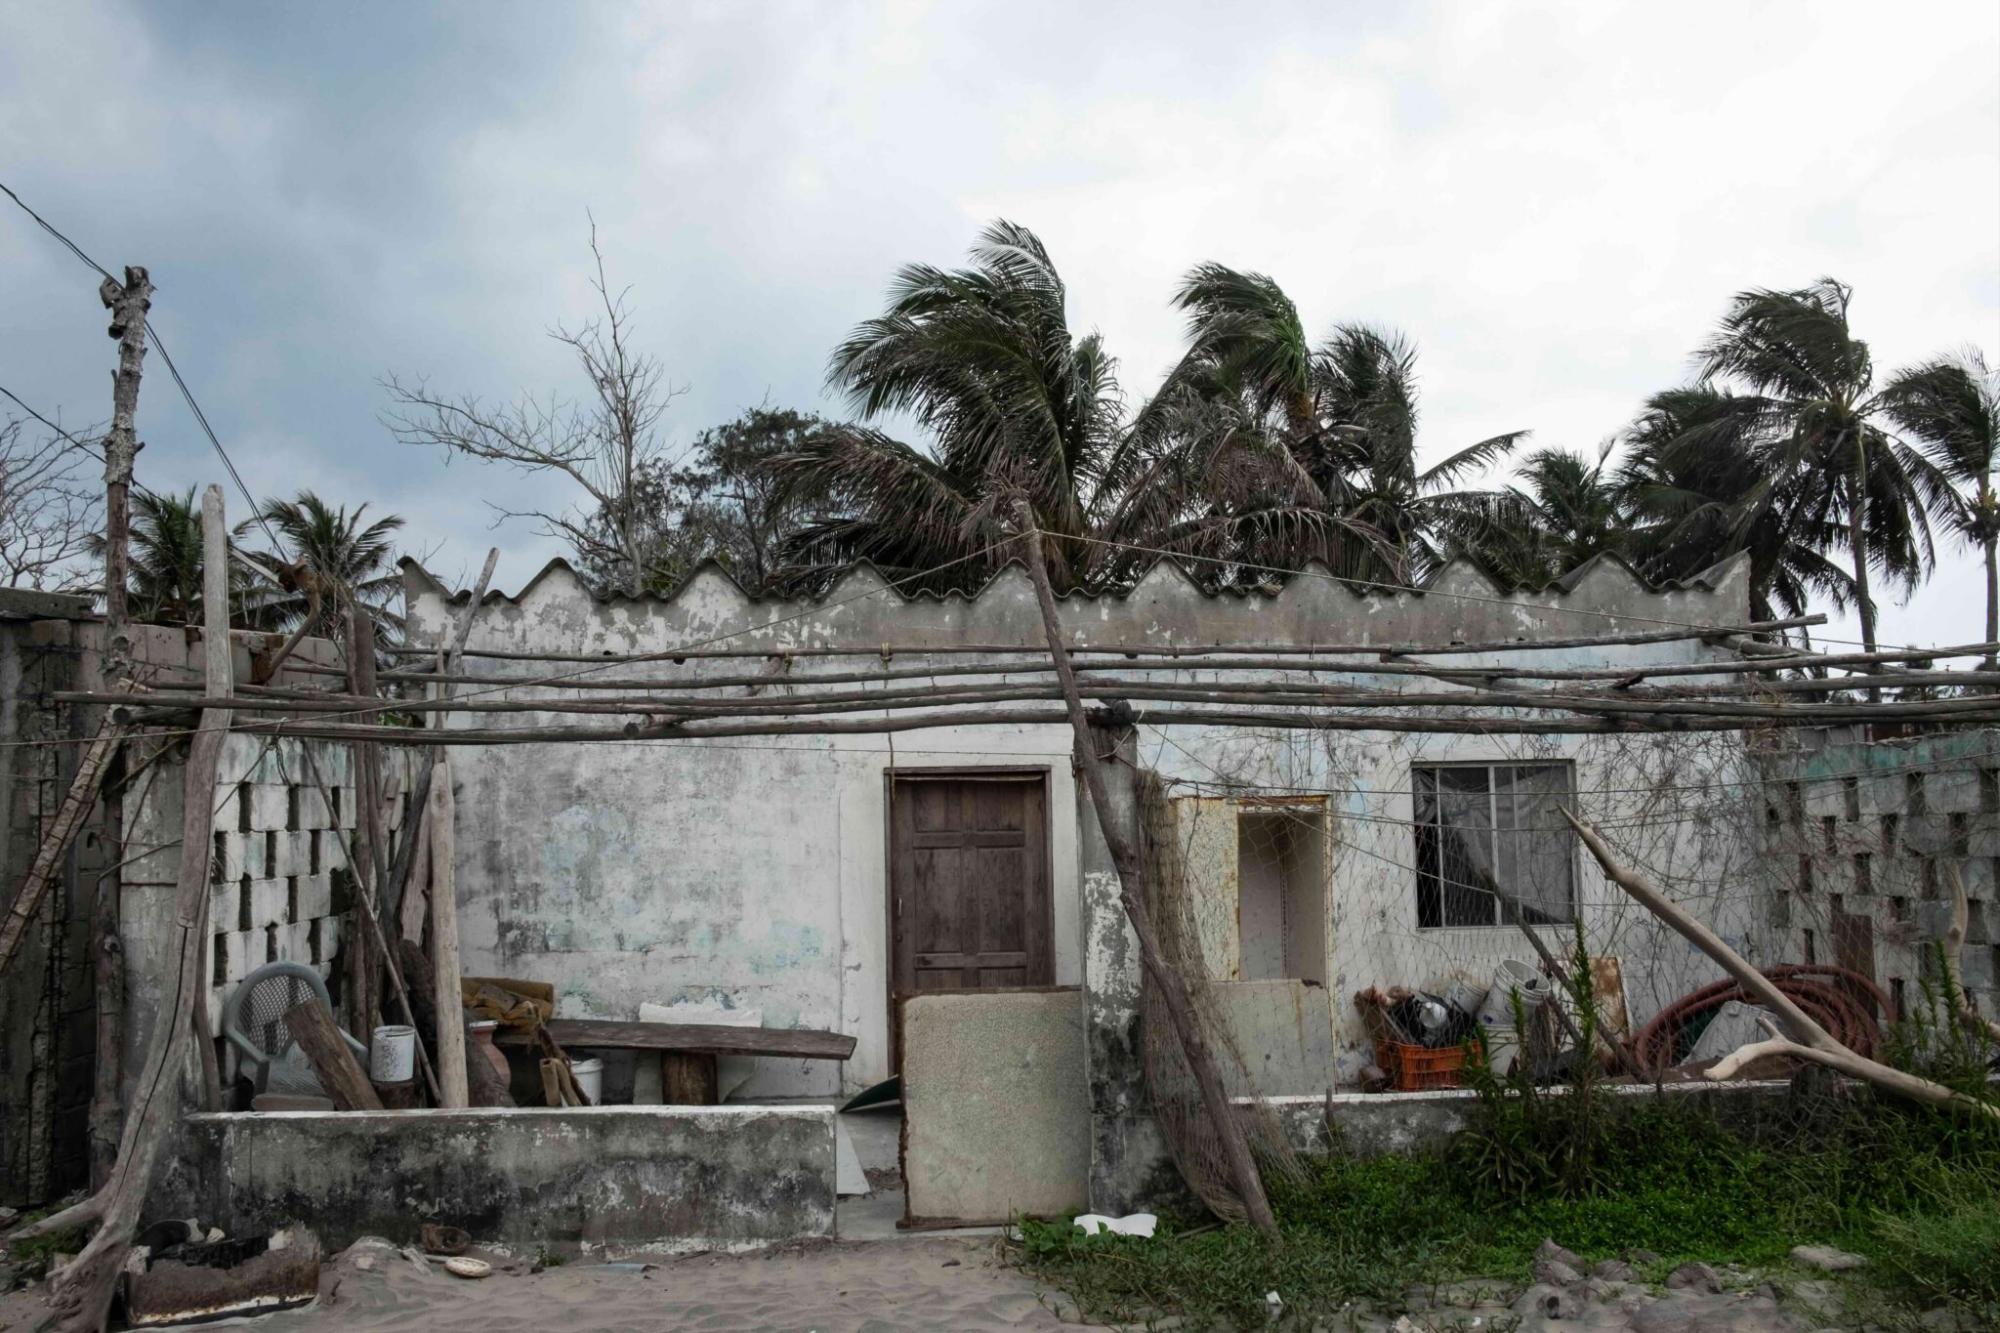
1866, 830
281, 889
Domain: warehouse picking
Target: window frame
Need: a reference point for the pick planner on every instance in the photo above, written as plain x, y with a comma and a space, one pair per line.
1417, 825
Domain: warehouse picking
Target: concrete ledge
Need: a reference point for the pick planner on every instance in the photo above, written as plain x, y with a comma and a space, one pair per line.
1376, 1124
620, 1179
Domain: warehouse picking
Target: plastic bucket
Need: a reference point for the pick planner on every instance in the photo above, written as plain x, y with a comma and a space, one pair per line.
589, 1076
1509, 979
392, 1055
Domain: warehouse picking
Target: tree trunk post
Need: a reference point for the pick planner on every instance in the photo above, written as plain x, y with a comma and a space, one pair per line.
128, 305
81, 1293
1131, 872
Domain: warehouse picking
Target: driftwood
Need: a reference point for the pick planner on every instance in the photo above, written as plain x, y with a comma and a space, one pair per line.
1809, 1041
1173, 987
80, 1293
339, 1073
75, 808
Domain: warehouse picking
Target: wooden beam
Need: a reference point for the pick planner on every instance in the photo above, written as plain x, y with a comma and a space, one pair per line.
689, 1038
454, 1089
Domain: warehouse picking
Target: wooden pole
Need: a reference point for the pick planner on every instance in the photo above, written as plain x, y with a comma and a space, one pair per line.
80, 1294
128, 304
1131, 869
444, 945
367, 761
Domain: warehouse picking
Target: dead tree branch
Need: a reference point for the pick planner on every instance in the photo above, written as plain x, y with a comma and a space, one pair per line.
604, 445
1813, 1041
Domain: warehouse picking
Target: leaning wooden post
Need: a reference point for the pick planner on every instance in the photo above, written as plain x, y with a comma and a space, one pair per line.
1131, 876
81, 1292
444, 945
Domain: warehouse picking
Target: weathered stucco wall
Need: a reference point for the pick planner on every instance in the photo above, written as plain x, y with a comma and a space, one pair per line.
614, 1179
753, 871
996, 1121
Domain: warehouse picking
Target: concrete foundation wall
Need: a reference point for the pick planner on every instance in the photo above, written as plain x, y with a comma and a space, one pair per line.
615, 1179
996, 1120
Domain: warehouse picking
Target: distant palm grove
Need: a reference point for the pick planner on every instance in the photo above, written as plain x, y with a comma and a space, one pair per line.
1263, 452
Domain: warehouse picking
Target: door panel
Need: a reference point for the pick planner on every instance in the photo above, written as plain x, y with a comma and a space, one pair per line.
969, 891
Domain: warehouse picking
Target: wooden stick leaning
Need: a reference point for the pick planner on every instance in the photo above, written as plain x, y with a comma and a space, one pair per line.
1809, 1041
80, 1293
390, 961
76, 805
1172, 986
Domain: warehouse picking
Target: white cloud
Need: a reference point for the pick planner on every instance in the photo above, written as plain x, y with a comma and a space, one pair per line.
1554, 201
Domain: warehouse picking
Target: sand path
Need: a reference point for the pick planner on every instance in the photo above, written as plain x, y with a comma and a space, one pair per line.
833, 1288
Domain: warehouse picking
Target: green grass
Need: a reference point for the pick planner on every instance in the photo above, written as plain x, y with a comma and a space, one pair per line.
1917, 1192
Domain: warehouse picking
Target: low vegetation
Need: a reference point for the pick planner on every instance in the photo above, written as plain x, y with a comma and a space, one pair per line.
1670, 1177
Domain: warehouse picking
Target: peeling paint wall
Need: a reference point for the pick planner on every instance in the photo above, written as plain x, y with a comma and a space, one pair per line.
753, 871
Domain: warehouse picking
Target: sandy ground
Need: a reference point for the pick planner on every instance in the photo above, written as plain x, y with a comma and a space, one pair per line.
830, 1287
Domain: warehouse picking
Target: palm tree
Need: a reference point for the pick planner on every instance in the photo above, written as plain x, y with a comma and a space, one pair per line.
1263, 449
1017, 406
1952, 407
165, 562
1697, 484
1807, 387
339, 553
1559, 511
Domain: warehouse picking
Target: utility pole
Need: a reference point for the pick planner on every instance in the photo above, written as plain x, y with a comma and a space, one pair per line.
128, 306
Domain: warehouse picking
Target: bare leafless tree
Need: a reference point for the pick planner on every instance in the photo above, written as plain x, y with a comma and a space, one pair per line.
49, 510
604, 443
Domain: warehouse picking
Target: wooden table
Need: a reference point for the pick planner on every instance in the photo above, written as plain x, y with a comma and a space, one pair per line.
688, 1050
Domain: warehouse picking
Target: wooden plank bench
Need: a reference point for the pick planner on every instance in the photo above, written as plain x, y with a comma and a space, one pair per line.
688, 1050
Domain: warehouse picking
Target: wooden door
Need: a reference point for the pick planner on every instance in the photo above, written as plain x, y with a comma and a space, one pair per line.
969, 884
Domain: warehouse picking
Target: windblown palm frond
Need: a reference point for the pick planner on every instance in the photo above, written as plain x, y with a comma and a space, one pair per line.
983, 359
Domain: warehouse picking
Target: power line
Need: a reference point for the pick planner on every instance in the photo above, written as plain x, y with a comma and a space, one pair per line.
193, 406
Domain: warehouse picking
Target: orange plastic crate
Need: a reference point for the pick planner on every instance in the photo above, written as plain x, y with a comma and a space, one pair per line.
1420, 1068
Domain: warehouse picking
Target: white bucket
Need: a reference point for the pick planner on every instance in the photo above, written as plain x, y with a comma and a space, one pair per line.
1503, 1047
589, 1076
392, 1055
1510, 978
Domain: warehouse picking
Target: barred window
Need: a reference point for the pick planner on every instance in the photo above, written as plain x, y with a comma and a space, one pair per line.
1487, 827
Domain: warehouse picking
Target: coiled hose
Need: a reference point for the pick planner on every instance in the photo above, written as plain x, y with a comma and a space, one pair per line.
1825, 992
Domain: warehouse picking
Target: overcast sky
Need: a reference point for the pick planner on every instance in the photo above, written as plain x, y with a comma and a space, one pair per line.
1554, 201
